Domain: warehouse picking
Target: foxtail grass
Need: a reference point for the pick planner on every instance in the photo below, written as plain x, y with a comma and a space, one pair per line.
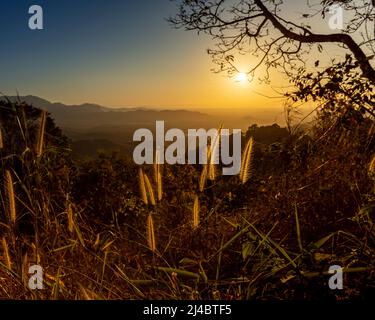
205, 171
156, 165
151, 233
142, 187
9, 191
160, 187
158, 176
211, 170
41, 134
203, 178
246, 161
213, 156
150, 191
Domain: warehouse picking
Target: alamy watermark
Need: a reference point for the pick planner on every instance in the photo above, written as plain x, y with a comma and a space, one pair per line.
36, 278
213, 147
335, 282
35, 282
36, 19
336, 20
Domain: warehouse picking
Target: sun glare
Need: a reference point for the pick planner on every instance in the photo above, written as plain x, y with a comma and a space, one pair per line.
241, 77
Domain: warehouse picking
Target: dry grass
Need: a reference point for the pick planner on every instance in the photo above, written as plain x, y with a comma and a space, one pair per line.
97, 237
6, 256
196, 212
70, 216
9, 191
41, 133
1, 139
150, 190
151, 233
246, 161
142, 186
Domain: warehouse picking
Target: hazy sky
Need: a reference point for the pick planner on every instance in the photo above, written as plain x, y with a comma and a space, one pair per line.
115, 53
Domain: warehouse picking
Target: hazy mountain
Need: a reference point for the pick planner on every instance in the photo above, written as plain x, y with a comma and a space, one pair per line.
95, 127
92, 116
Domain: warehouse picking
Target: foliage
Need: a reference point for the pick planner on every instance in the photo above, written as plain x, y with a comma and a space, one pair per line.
308, 203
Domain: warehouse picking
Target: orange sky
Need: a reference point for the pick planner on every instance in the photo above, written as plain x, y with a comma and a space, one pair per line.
119, 54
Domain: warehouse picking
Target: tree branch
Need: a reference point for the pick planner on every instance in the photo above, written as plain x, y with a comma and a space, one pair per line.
367, 70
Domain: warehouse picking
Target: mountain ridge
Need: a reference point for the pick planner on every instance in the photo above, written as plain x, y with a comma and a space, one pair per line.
44, 103
87, 115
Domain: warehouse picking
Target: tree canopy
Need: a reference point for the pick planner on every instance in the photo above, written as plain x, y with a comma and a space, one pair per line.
258, 27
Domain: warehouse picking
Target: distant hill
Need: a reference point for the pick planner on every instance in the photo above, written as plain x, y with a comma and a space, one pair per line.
93, 127
89, 116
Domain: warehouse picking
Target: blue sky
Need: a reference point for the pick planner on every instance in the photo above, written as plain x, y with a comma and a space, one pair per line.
88, 45
115, 53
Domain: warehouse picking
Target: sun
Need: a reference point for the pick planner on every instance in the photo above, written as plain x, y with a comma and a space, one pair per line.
241, 77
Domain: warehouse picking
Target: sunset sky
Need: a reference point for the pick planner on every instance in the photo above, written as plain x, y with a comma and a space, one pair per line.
116, 53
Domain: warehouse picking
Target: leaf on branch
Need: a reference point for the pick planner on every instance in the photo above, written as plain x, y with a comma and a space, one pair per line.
229, 58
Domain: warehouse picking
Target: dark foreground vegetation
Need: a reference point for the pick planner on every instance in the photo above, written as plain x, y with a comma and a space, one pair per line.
106, 229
